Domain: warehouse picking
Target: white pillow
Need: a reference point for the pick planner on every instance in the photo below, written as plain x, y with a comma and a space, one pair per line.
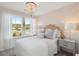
40, 35
56, 34
48, 33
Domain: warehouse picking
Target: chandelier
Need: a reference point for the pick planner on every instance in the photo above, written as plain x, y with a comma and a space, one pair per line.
30, 8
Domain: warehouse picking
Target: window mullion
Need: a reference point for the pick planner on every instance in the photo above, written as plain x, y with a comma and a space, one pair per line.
23, 28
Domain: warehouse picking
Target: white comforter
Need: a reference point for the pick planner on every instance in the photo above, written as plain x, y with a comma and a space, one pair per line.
33, 46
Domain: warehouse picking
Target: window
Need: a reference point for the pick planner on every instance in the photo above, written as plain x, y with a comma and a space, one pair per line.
16, 26
27, 26
21, 26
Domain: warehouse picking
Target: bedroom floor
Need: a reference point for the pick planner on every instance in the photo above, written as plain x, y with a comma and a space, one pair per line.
63, 53
10, 52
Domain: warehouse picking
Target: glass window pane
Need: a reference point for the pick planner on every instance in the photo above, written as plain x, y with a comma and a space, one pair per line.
16, 26
27, 25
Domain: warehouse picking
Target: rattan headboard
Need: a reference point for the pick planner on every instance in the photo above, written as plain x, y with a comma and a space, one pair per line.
53, 27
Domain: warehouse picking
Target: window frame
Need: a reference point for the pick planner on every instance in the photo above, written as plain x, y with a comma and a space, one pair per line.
11, 26
22, 27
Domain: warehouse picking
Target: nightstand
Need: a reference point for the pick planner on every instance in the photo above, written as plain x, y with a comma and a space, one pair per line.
67, 45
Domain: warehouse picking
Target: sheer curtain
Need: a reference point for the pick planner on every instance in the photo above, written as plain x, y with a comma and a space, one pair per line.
33, 26
1, 38
5, 32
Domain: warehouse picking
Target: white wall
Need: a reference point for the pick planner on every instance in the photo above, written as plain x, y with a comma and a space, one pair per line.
60, 16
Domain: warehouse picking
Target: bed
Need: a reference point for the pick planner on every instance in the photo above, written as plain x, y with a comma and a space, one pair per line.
35, 46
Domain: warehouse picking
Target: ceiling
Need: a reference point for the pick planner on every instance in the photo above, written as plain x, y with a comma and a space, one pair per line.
43, 7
